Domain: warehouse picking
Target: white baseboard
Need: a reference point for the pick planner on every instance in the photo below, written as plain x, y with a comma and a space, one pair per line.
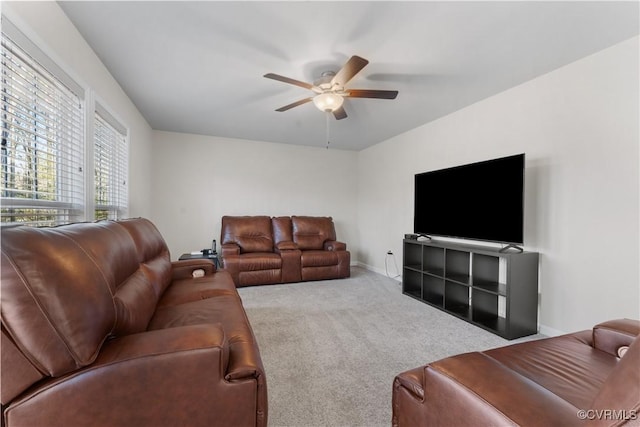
375, 270
550, 332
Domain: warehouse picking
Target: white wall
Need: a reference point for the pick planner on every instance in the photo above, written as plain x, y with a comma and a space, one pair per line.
578, 127
198, 179
50, 29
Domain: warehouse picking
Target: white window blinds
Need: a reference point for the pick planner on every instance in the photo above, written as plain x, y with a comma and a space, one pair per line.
110, 166
42, 143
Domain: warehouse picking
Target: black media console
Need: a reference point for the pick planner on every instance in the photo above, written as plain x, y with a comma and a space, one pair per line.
493, 290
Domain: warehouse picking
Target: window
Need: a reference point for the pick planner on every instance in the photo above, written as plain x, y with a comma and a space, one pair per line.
110, 166
42, 153
54, 169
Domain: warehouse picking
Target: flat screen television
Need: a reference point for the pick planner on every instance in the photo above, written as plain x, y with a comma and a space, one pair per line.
478, 201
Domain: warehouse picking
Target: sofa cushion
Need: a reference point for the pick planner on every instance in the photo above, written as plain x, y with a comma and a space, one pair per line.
135, 302
310, 233
195, 289
49, 278
152, 252
282, 230
584, 369
116, 261
136, 297
226, 309
136, 287
250, 233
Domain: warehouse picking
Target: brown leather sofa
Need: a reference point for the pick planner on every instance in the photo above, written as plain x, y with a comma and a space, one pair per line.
99, 327
259, 250
574, 379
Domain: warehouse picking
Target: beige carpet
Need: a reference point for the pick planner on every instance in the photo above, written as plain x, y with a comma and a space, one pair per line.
332, 348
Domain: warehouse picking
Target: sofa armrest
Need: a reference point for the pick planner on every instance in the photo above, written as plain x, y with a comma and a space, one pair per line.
332, 245
613, 335
184, 269
160, 377
291, 262
454, 393
230, 249
413, 382
287, 245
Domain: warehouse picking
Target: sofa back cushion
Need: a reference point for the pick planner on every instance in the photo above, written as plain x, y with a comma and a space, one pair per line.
282, 229
57, 290
250, 233
67, 289
138, 272
310, 232
137, 296
153, 252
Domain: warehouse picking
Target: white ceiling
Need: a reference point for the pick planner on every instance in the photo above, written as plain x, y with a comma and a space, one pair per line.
197, 67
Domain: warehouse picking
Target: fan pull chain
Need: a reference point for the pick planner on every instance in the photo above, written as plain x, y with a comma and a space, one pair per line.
327, 117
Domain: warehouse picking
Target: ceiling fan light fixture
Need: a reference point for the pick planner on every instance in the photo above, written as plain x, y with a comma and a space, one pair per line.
329, 90
328, 101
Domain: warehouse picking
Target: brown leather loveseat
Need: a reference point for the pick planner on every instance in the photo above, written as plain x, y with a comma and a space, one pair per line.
259, 250
99, 327
585, 378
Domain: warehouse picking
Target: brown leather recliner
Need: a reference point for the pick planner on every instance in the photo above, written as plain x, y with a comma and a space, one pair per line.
321, 255
585, 378
247, 250
258, 250
99, 327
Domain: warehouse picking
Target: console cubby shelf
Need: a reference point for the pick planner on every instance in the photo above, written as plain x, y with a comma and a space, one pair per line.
495, 291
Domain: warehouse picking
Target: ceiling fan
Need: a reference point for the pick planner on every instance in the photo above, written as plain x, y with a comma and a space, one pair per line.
330, 88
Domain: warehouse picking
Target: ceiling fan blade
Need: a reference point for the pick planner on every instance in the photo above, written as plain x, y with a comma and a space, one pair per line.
349, 70
288, 80
370, 93
294, 104
340, 114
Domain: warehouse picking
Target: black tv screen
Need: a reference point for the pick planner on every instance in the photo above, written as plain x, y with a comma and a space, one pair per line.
479, 201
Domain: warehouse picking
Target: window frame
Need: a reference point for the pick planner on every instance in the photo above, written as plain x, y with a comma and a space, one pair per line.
33, 47
115, 210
